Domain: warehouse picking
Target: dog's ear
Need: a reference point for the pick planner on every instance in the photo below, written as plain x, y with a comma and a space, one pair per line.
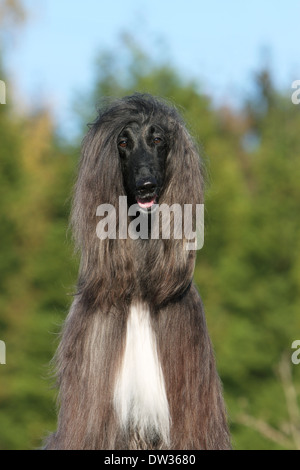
171, 261
106, 264
99, 181
184, 182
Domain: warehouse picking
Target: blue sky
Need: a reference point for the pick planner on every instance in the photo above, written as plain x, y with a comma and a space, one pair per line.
219, 43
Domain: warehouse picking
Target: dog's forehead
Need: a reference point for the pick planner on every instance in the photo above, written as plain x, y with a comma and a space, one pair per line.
132, 126
142, 128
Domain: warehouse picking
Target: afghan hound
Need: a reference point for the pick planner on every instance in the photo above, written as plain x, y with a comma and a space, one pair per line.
135, 365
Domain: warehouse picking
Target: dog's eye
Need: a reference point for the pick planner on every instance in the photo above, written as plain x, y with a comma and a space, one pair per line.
157, 140
123, 143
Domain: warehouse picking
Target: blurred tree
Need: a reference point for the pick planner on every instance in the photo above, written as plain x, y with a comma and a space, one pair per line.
257, 260
36, 185
12, 12
12, 17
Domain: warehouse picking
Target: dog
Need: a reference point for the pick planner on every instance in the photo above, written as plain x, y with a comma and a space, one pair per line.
135, 365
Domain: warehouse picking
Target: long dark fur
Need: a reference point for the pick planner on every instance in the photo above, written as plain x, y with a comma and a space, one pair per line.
113, 274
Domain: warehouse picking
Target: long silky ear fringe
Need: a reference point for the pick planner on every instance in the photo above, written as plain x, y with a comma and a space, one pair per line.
169, 266
184, 180
106, 271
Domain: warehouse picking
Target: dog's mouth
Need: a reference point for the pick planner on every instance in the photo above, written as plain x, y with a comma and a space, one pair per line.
147, 203
147, 194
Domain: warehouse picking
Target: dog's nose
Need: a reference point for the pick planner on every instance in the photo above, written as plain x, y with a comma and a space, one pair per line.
146, 186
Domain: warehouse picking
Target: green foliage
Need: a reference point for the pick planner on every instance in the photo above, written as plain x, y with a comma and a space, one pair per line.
248, 272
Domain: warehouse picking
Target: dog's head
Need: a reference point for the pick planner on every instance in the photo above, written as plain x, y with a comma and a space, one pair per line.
137, 147
143, 150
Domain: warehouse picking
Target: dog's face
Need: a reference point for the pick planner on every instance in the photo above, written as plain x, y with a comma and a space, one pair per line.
143, 151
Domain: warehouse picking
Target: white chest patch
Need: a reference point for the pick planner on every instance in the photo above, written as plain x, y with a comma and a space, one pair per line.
140, 398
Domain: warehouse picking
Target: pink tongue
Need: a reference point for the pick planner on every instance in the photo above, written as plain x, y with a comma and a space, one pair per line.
145, 205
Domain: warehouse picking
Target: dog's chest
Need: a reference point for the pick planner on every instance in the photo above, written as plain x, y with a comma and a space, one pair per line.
140, 397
